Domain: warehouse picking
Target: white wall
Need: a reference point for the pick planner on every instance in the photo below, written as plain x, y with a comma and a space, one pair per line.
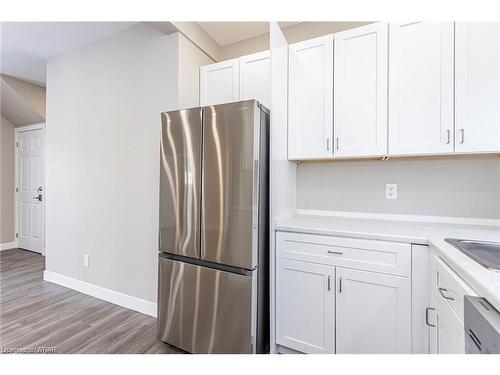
102, 141
293, 34
190, 59
7, 165
466, 186
33, 95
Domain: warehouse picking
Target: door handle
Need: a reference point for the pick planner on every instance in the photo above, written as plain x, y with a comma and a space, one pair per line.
462, 140
335, 252
448, 135
39, 197
427, 316
442, 290
329, 282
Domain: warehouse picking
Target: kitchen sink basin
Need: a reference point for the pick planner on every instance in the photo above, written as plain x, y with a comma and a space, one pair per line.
485, 253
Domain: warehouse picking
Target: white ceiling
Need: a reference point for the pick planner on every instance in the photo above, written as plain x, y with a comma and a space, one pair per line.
26, 46
231, 32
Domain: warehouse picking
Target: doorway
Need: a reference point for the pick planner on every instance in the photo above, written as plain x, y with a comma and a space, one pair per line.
30, 188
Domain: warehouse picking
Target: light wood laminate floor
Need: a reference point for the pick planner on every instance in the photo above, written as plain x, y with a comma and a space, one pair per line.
38, 314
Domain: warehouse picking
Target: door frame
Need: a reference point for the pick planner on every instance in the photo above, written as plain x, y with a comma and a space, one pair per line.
22, 129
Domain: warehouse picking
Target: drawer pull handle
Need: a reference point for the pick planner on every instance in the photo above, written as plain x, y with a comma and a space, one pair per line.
427, 316
442, 290
335, 252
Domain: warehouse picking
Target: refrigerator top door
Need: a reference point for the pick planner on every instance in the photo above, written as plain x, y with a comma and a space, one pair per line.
180, 182
230, 194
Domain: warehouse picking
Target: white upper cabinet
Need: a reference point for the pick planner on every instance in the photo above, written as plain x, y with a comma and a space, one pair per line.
373, 313
255, 77
421, 88
477, 87
219, 83
310, 99
360, 91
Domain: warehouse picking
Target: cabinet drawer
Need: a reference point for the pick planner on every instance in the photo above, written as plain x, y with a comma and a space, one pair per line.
371, 255
448, 286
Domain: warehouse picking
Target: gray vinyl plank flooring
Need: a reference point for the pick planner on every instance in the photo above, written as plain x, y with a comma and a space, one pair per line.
37, 314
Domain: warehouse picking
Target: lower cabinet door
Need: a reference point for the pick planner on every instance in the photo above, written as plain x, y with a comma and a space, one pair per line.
447, 337
373, 313
305, 300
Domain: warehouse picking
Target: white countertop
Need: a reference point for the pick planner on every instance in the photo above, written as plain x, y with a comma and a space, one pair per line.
485, 282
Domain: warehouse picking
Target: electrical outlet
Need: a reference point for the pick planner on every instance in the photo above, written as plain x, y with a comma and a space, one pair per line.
391, 191
86, 260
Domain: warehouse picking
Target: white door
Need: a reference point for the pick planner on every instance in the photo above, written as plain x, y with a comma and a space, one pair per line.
477, 87
255, 77
360, 91
30, 190
373, 313
421, 88
219, 83
447, 335
310, 99
305, 299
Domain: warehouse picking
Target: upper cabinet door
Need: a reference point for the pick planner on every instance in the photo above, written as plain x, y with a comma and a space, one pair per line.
360, 91
421, 88
219, 83
477, 87
255, 77
310, 96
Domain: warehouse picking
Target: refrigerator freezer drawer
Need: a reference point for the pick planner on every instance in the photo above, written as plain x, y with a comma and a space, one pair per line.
204, 310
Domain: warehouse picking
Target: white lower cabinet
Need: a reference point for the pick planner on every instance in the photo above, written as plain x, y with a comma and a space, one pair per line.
373, 313
305, 306
445, 313
447, 330
324, 308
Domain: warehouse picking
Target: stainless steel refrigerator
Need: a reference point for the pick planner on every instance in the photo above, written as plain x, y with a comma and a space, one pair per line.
213, 238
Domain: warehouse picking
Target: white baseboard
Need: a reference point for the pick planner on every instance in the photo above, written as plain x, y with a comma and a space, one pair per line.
8, 245
109, 295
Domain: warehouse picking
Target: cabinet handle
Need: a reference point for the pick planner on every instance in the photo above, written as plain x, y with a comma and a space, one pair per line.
329, 282
340, 285
328, 144
462, 133
427, 316
448, 135
441, 290
337, 142
335, 252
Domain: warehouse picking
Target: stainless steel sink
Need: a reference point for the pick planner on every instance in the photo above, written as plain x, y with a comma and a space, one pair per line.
485, 253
